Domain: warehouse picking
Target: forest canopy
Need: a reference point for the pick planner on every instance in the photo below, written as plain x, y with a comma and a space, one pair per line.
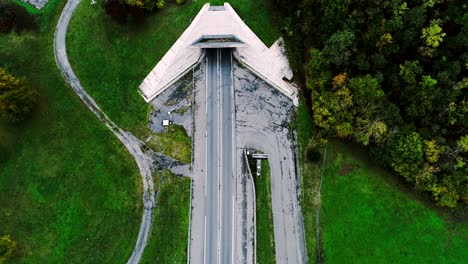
392, 76
121, 10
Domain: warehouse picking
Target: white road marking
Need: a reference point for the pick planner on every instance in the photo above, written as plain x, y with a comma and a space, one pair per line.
232, 247
219, 102
204, 244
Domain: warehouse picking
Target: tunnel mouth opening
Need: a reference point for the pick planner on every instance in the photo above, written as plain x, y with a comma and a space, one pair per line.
218, 41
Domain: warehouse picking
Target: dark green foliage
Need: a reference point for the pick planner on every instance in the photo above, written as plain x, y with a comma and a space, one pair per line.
337, 48
122, 11
117, 10
17, 98
407, 154
7, 247
13, 16
313, 155
390, 75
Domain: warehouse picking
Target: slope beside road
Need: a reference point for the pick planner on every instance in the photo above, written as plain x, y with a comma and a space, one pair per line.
144, 160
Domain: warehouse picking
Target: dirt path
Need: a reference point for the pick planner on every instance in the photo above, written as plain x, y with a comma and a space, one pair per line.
144, 159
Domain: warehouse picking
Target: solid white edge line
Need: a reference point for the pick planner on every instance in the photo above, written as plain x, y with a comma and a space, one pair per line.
206, 86
234, 165
204, 244
218, 61
206, 131
232, 234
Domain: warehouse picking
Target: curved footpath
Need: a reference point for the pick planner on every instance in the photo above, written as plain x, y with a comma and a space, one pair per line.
143, 159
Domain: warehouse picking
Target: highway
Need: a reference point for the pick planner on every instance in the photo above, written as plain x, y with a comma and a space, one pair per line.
219, 178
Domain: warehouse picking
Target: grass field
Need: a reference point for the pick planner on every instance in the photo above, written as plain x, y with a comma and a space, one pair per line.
112, 60
368, 217
169, 234
310, 176
69, 191
265, 235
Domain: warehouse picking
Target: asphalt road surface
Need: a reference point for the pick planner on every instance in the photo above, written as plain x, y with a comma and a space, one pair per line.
219, 182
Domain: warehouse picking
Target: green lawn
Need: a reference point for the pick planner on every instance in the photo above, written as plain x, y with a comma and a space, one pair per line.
69, 191
169, 234
367, 217
265, 235
112, 60
310, 176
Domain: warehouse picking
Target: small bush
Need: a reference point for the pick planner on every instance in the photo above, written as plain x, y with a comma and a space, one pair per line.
7, 247
313, 155
17, 97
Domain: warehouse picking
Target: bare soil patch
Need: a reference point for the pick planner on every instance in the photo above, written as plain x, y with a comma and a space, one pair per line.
346, 169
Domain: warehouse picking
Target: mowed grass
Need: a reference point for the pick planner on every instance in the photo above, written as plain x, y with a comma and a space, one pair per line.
265, 234
169, 234
111, 60
367, 217
69, 191
310, 177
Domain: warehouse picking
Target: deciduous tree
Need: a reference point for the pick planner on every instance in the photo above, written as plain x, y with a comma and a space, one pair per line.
17, 97
337, 48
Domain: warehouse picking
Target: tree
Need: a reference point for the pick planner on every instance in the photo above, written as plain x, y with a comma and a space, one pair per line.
117, 10
407, 155
379, 75
13, 16
410, 71
7, 247
462, 143
445, 195
17, 98
338, 47
385, 39
339, 80
366, 90
431, 150
433, 35
370, 130
149, 5
425, 179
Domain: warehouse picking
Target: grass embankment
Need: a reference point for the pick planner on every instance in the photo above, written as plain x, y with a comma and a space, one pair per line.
112, 60
310, 177
265, 234
169, 234
69, 191
173, 142
368, 217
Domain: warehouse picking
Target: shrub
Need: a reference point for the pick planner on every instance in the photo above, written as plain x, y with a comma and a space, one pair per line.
7, 247
313, 155
17, 97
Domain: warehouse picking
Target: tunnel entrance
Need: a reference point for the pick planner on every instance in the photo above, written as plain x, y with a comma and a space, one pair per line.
218, 41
